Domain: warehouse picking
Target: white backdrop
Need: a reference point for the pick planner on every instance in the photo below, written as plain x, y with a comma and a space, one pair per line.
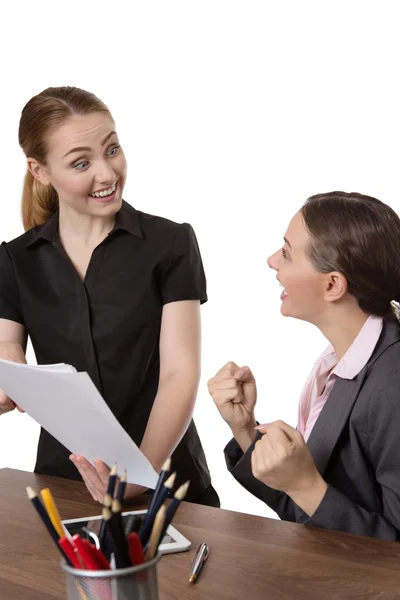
231, 114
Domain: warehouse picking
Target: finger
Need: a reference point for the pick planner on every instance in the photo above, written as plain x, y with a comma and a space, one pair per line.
258, 459
290, 432
103, 471
264, 445
229, 367
244, 374
223, 384
262, 428
277, 436
6, 405
222, 397
19, 408
92, 491
90, 476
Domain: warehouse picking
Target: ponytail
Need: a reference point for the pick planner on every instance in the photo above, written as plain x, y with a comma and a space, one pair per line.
39, 202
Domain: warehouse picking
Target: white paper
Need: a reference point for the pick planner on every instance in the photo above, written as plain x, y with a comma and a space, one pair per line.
68, 405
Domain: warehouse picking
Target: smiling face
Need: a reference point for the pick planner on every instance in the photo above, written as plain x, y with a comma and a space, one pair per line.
307, 293
85, 164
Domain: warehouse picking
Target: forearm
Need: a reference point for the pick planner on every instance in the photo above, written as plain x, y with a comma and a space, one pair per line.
12, 351
170, 416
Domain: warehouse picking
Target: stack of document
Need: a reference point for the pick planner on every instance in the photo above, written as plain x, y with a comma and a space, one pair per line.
68, 405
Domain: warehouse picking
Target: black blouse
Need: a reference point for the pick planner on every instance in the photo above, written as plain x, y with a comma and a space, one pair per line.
108, 324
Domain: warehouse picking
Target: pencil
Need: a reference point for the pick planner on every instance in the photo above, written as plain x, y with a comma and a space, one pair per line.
174, 505
52, 511
107, 502
117, 539
156, 533
34, 498
121, 487
145, 530
161, 479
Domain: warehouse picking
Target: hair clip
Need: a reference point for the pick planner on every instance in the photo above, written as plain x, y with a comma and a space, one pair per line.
396, 308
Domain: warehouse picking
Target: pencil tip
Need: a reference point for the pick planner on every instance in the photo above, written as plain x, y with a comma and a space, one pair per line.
124, 476
182, 491
31, 492
170, 481
114, 470
167, 465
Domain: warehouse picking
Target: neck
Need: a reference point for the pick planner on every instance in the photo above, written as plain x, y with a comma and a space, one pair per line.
85, 229
342, 328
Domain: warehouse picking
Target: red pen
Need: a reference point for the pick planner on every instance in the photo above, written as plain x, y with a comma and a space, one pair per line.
70, 551
84, 548
101, 560
136, 554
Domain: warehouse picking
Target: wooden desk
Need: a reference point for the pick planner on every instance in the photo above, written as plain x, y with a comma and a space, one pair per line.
250, 557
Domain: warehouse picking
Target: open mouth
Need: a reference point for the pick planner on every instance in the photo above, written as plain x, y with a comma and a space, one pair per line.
105, 194
284, 295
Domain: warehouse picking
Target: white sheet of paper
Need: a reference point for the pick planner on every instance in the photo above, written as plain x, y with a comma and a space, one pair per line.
68, 405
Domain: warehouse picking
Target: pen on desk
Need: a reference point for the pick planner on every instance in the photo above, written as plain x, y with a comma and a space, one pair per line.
198, 562
52, 511
145, 530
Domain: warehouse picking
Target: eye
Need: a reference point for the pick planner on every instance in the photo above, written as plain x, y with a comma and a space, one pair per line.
113, 151
81, 165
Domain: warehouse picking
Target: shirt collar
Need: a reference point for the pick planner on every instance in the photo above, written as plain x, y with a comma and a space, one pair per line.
127, 218
360, 350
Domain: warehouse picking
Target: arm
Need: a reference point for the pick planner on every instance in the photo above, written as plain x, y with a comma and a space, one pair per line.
336, 511
12, 347
174, 403
180, 342
239, 465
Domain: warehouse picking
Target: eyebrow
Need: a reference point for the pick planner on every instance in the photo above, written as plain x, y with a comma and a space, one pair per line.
287, 241
87, 148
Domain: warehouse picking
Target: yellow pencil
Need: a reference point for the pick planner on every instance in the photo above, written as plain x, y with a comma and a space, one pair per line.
52, 511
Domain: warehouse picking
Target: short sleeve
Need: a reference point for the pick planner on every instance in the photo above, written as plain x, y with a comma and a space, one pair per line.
182, 274
10, 305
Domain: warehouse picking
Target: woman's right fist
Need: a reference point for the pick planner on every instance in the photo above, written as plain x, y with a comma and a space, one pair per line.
234, 392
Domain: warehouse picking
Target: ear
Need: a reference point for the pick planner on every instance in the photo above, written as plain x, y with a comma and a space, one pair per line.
335, 287
38, 171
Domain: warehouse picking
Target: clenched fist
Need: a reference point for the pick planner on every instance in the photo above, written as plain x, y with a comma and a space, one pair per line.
234, 392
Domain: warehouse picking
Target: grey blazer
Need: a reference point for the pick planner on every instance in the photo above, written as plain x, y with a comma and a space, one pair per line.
355, 444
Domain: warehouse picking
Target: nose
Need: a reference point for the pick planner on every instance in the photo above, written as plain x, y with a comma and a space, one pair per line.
105, 174
273, 261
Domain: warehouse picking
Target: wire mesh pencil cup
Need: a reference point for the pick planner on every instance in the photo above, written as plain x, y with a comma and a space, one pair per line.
133, 583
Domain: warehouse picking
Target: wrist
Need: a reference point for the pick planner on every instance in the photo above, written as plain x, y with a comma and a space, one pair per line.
248, 428
245, 436
309, 495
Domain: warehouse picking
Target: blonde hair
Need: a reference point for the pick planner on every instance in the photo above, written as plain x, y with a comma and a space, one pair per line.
44, 113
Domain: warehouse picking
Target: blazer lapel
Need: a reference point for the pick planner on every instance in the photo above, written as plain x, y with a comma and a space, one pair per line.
333, 418
337, 409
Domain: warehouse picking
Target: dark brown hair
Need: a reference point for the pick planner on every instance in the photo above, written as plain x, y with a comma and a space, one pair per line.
40, 116
359, 236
